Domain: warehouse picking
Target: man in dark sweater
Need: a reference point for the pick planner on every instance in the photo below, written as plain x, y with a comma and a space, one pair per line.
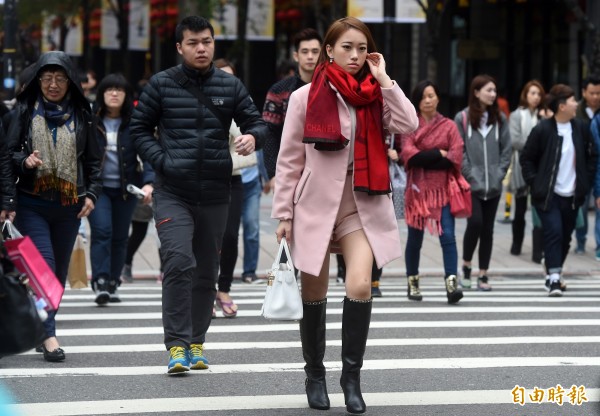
307, 45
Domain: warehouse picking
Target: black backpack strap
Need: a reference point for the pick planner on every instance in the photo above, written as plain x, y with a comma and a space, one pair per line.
179, 76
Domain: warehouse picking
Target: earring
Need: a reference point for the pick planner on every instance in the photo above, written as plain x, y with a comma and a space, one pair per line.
331, 59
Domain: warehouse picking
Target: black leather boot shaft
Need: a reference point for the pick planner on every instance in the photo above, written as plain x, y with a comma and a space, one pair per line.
312, 335
355, 329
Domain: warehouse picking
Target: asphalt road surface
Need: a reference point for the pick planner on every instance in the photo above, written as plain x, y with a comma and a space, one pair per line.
423, 358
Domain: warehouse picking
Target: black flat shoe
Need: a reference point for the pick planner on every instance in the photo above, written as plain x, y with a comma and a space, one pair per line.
54, 356
39, 348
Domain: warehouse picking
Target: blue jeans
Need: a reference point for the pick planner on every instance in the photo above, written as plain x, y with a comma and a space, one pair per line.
251, 224
412, 253
52, 227
109, 223
581, 232
557, 224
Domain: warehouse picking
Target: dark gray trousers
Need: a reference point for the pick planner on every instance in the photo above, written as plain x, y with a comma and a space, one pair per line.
190, 238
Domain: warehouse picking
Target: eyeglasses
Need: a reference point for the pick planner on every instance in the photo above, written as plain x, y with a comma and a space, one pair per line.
112, 90
60, 81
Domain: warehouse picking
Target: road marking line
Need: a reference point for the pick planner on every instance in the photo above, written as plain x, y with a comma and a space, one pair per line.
275, 327
398, 364
384, 342
338, 311
297, 401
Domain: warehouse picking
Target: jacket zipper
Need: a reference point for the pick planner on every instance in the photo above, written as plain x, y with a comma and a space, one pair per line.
552, 174
485, 166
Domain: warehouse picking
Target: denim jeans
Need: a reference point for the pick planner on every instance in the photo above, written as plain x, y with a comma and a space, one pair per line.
447, 241
109, 224
557, 224
251, 224
52, 227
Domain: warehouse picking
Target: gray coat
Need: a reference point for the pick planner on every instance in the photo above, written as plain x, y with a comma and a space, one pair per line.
485, 159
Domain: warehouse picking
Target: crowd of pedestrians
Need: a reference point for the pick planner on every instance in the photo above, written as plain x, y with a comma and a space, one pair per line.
199, 165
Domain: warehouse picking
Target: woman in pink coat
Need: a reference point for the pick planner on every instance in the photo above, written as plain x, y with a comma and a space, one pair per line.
332, 190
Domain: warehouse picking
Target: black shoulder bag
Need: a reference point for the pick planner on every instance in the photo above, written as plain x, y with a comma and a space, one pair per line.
20, 323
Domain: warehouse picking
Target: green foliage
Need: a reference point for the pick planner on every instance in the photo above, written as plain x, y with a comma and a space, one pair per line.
30, 12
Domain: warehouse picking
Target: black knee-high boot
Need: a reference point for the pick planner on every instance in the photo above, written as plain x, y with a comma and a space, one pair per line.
355, 329
312, 335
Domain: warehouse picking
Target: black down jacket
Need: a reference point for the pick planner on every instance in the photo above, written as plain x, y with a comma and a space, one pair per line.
189, 151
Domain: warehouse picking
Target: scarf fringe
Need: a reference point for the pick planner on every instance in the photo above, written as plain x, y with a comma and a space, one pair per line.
67, 190
419, 207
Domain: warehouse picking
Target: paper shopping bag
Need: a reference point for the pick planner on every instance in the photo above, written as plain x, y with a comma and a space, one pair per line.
77, 276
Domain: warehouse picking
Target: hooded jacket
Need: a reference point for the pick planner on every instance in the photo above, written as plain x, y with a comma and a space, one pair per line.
486, 159
89, 181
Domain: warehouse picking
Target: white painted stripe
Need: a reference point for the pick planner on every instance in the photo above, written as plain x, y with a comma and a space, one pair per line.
338, 311
384, 342
297, 401
396, 364
275, 327
388, 299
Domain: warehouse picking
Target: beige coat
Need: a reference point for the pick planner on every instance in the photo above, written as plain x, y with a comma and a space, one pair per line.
309, 184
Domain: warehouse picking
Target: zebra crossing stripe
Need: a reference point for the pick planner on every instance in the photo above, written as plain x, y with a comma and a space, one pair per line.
395, 364
297, 401
338, 311
274, 327
382, 342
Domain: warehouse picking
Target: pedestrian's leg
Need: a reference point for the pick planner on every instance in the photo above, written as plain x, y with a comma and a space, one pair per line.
121, 219
251, 226
518, 225
486, 241
229, 250
210, 222
412, 256
138, 233
312, 335
471, 238
175, 226
101, 243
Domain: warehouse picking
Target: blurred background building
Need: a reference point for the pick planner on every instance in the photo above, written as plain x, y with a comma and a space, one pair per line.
449, 41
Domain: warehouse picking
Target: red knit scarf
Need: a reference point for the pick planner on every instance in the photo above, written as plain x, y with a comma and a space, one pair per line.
322, 125
427, 190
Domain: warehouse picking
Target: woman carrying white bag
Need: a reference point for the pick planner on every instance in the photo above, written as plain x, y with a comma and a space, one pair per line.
332, 192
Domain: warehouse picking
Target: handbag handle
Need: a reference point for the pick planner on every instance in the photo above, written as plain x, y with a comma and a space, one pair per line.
283, 246
11, 230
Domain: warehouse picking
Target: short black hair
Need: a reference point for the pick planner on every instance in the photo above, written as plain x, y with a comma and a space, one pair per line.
559, 94
590, 80
306, 34
194, 24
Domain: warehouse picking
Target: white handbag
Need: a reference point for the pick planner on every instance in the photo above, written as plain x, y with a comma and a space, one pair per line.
282, 299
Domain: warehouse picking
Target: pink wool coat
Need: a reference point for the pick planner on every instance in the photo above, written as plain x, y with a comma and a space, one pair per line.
309, 184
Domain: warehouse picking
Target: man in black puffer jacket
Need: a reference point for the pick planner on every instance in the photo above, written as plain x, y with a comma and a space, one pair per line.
191, 106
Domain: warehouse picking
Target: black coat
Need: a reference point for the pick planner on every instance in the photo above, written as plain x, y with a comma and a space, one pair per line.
191, 156
541, 156
131, 169
89, 182
7, 177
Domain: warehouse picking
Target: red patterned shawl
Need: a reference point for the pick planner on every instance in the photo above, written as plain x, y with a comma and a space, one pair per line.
427, 189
